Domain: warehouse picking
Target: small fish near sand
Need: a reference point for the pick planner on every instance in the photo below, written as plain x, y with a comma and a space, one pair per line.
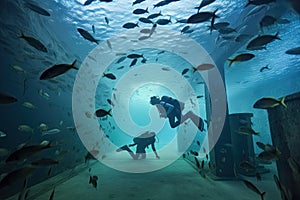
102, 113
252, 187
241, 58
7, 99
25, 128
86, 35
28, 105
37, 9
57, 70
52, 194
45, 162
35, 43
247, 131
51, 132
269, 102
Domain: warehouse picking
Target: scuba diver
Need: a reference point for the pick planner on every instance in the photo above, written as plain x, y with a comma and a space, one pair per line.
171, 108
141, 142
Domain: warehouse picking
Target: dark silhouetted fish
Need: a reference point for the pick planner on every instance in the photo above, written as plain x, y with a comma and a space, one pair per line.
106, 20
93, 29
184, 71
16, 176
130, 25
134, 55
25, 152
252, 187
197, 163
145, 20
137, 2
264, 68
203, 67
133, 62
52, 194
102, 113
110, 76
110, 102
34, 43
266, 21
185, 29
154, 15
241, 58
45, 162
37, 9
269, 102
7, 99
88, 2
106, 1
261, 41
161, 3
87, 35
204, 3
259, 2
139, 11
121, 59
93, 180
202, 17
57, 70
163, 21
293, 51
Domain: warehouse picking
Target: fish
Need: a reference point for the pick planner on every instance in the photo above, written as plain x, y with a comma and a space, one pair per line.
134, 55
49, 171
7, 99
203, 67
93, 180
145, 20
93, 29
266, 21
37, 9
269, 102
261, 145
16, 176
25, 128
34, 43
109, 44
133, 62
120, 67
153, 29
293, 51
102, 113
88, 157
137, 2
261, 41
163, 21
197, 163
27, 151
226, 30
199, 96
206, 156
28, 105
51, 132
139, 11
241, 58
202, 164
110, 76
252, 187
52, 194
130, 25
57, 70
198, 143
110, 102
247, 131
247, 166
86, 35
154, 15
269, 155
202, 17
188, 31
45, 162
106, 20
204, 3
183, 155
43, 127
264, 68
185, 29
2, 134
88, 2
195, 153
161, 3
259, 2
121, 59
